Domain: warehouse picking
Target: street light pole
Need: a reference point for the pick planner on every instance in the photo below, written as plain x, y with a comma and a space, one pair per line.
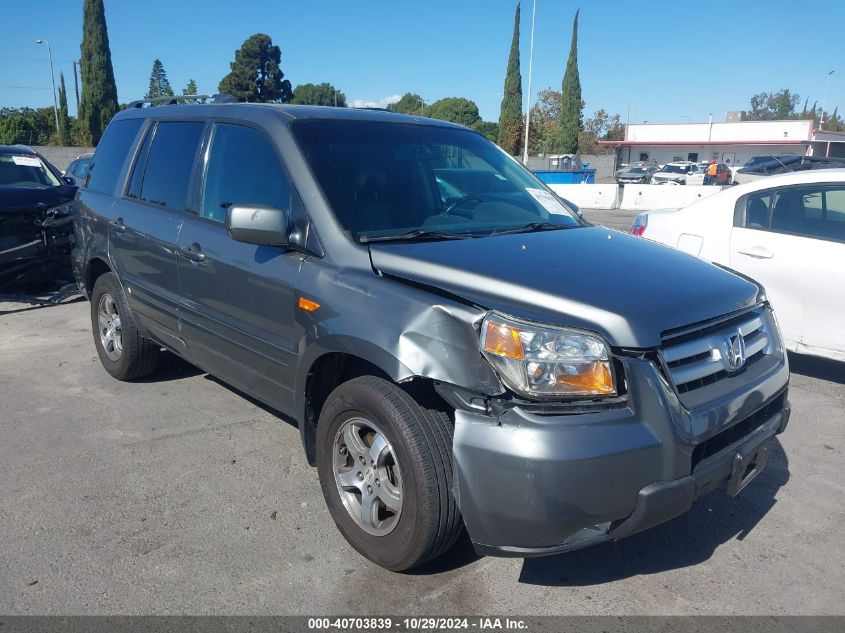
824, 101
53, 80
530, 68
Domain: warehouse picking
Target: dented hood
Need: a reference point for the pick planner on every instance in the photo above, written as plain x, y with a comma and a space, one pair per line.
12, 198
626, 288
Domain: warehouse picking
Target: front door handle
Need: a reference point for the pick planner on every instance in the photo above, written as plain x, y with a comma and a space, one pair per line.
192, 252
757, 252
118, 225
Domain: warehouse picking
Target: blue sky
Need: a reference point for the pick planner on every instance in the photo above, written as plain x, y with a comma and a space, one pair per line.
666, 61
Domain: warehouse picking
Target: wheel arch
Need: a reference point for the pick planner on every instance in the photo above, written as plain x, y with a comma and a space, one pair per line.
330, 369
94, 269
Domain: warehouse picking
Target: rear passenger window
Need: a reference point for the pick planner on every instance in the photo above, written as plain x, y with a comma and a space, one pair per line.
816, 211
171, 158
242, 169
112, 153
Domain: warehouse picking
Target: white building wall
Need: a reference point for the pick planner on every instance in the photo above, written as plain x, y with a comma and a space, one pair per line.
736, 132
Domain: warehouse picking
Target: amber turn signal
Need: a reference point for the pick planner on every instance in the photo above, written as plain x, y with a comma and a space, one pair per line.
503, 340
308, 305
594, 377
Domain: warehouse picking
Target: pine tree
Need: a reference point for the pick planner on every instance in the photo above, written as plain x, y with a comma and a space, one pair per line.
98, 103
191, 88
64, 119
159, 84
571, 104
256, 74
510, 115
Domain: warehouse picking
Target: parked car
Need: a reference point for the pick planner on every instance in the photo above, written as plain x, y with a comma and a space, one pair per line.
785, 164
724, 175
674, 173
636, 174
787, 232
77, 171
447, 359
36, 209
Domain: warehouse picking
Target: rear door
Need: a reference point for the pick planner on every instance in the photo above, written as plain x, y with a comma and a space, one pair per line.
146, 221
792, 240
239, 299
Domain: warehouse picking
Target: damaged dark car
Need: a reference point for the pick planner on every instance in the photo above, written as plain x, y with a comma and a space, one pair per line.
36, 221
459, 349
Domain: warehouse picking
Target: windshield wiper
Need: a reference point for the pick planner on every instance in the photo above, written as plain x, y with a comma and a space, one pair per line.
416, 234
532, 227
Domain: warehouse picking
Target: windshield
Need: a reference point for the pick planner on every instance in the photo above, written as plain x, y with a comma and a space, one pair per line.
25, 172
634, 170
675, 169
395, 179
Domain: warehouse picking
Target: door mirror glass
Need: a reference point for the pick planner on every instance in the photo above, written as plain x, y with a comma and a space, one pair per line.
256, 224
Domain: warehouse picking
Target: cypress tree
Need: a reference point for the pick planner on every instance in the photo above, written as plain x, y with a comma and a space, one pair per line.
570, 103
64, 119
99, 92
510, 115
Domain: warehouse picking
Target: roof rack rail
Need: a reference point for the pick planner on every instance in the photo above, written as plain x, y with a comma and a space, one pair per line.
174, 100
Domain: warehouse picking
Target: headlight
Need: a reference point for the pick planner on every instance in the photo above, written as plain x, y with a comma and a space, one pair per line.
66, 208
548, 362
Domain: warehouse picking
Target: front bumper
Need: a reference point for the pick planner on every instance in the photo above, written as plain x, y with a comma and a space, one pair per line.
531, 484
34, 246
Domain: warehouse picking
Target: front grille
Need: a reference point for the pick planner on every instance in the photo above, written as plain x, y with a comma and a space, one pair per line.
737, 431
700, 358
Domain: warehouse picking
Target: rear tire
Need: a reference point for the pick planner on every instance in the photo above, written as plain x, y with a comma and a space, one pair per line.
397, 510
124, 353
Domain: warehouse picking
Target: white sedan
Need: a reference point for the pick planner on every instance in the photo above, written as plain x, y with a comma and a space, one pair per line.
788, 233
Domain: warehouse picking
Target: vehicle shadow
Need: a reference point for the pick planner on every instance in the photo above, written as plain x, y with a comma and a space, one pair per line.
689, 539
170, 367
817, 367
267, 409
461, 555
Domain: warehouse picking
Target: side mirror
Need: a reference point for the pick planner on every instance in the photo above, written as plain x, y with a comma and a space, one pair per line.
68, 180
254, 224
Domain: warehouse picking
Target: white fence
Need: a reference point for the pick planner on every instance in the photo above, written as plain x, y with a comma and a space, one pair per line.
644, 197
589, 196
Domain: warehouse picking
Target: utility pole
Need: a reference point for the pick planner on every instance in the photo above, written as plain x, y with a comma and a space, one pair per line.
76, 87
53, 80
530, 68
824, 101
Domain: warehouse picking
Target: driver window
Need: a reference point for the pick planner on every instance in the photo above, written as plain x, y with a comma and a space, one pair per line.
242, 169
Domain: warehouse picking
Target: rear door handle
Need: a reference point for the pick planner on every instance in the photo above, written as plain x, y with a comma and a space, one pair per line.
118, 225
757, 252
192, 252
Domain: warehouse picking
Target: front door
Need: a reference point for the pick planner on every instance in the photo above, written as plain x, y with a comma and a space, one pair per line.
145, 224
238, 299
792, 240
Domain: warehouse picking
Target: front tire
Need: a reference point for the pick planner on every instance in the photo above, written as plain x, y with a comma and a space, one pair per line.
124, 353
385, 467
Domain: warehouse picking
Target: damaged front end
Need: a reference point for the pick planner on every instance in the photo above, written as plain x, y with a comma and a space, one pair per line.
35, 243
